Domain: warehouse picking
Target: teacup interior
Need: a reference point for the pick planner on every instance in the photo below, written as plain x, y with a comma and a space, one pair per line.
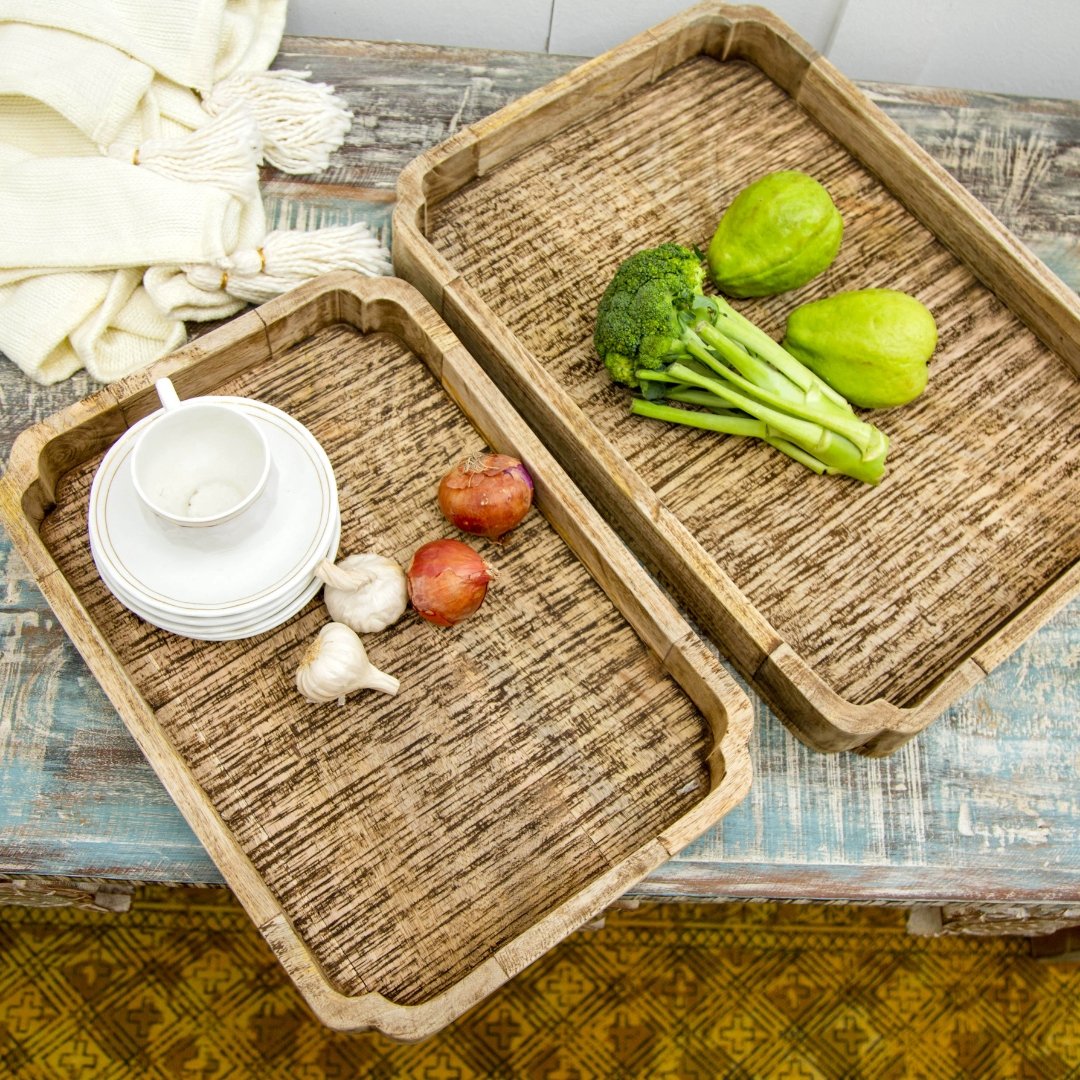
200, 463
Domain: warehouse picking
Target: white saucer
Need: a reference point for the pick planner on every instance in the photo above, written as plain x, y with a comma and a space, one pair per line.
229, 629
251, 567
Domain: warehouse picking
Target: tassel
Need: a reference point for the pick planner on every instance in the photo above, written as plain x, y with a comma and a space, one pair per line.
290, 257
225, 151
301, 123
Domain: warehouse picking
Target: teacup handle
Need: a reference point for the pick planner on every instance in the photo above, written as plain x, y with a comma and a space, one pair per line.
167, 393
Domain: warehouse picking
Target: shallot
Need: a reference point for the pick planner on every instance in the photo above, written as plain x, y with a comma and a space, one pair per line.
447, 581
486, 494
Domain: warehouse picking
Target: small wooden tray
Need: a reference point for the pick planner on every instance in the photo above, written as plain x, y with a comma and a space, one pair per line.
859, 613
403, 856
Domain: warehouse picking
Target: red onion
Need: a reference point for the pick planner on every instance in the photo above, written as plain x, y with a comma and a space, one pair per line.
486, 494
447, 581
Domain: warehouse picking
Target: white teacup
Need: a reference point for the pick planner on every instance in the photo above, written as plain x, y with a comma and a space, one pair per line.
199, 462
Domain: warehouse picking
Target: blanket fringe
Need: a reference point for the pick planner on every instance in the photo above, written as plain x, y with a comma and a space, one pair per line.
225, 151
300, 123
290, 257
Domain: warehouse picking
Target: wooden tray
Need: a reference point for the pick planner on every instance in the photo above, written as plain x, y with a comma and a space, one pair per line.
403, 856
859, 613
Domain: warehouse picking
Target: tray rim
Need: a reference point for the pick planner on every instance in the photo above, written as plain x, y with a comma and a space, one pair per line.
817, 714
42, 453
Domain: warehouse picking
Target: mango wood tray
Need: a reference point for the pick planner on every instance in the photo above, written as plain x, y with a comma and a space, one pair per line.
403, 856
859, 613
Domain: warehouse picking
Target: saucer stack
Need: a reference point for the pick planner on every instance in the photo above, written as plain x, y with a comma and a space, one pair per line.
227, 581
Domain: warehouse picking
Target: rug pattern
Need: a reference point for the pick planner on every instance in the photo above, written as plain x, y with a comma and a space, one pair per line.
182, 986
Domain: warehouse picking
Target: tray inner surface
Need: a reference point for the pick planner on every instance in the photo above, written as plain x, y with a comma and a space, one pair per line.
881, 590
530, 748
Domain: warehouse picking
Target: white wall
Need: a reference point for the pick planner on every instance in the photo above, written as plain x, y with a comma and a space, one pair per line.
1007, 46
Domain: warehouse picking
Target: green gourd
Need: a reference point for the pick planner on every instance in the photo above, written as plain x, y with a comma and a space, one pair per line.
870, 345
777, 234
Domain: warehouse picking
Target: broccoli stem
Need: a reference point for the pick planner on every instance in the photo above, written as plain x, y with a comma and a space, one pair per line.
741, 329
836, 452
808, 404
691, 395
805, 433
748, 365
799, 455
730, 425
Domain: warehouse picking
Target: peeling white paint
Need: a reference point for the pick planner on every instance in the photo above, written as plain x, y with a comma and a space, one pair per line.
477, 84
837, 807
16, 623
963, 820
911, 757
1037, 835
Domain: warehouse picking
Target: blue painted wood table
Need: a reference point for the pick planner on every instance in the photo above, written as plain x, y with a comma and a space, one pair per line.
976, 821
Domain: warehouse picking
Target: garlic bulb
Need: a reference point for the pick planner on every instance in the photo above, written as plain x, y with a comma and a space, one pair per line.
365, 592
335, 664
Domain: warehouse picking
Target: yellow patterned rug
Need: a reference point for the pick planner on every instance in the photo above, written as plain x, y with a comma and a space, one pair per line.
182, 986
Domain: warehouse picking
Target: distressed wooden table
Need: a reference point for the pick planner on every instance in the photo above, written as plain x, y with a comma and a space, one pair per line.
975, 824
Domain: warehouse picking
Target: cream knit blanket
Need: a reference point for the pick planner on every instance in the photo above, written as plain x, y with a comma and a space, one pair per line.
130, 141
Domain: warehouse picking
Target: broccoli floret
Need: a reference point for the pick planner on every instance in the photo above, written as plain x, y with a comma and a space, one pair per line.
656, 330
638, 323
621, 368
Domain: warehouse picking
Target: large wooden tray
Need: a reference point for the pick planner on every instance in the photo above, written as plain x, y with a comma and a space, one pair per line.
403, 856
859, 613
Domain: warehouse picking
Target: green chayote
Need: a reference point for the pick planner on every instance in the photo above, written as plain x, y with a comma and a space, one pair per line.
871, 345
777, 234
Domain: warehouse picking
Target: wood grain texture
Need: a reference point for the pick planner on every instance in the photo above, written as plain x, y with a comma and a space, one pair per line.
534, 751
880, 596
46, 892
963, 812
